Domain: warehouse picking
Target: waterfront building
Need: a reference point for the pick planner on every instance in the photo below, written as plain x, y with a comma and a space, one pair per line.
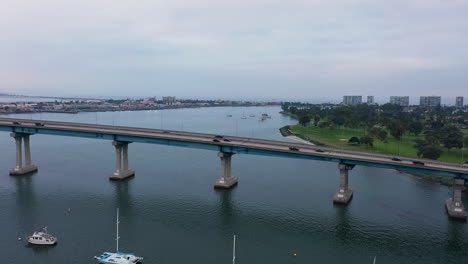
429, 101
169, 100
370, 99
400, 100
352, 99
459, 101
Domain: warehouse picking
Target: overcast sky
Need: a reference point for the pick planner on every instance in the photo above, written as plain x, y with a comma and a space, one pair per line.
234, 49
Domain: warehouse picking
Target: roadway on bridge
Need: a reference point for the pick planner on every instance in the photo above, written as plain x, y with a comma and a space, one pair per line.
269, 146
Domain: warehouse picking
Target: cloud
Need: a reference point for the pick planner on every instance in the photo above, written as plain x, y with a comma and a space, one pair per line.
105, 46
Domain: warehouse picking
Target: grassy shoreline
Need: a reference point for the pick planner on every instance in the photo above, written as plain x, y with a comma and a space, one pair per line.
338, 138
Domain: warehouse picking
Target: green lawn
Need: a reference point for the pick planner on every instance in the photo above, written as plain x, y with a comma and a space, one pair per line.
338, 137
465, 131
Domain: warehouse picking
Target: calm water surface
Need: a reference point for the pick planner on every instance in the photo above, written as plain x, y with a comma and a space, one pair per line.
170, 212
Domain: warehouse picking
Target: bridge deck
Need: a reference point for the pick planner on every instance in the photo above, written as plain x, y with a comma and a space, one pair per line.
237, 145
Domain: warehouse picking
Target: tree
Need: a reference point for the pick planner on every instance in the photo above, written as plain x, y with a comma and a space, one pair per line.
378, 133
316, 120
397, 128
367, 140
382, 135
427, 150
304, 120
323, 124
415, 127
431, 152
453, 138
354, 140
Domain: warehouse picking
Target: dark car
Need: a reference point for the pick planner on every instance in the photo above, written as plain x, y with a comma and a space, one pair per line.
227, 140
417, 162
215, 140
39, 124
320, 150
218, 136
396, 159
293, 148
16, 123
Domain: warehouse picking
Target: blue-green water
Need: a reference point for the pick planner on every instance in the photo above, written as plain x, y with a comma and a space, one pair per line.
170, 212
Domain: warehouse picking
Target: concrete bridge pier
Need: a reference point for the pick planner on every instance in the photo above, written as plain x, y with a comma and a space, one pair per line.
27, 167
344, 194
454, 205
227, 180
121, 153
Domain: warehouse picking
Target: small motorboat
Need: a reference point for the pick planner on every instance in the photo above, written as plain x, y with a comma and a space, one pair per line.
42, 238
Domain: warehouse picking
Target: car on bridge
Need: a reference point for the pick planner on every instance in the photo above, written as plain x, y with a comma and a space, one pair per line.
396, 159
39, 124
417, 162
293, 148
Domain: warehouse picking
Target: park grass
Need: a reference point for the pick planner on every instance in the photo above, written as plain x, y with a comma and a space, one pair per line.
465, 131
338, 137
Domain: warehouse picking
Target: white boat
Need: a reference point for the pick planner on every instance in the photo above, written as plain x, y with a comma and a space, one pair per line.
42, 238
118, 257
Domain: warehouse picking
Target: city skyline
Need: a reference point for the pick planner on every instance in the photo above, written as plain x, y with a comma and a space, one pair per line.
272, 50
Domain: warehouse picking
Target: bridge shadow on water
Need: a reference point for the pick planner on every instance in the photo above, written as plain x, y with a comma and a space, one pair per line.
26, 201
343, 228
226, 209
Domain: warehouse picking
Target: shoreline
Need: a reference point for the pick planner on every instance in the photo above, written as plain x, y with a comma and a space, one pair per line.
429, 178
132, 109
300, 140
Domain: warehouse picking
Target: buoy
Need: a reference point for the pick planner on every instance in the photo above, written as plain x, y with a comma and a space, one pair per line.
295, 254
19, 238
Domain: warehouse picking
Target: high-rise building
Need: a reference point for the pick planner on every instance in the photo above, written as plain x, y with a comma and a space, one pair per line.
459, 101
370, 99
429, 101
400, 100
352, 99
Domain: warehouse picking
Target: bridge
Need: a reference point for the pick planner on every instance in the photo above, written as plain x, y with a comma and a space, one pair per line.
227, 146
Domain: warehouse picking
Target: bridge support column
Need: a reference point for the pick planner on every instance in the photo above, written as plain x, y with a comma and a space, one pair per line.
21, 168
344, 194
454, 205
120, 173
227, 180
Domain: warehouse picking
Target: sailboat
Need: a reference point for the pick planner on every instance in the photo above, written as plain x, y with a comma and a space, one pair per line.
234, 251
118, 257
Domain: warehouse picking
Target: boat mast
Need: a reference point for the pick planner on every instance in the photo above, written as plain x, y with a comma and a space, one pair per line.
117, 224
234, 251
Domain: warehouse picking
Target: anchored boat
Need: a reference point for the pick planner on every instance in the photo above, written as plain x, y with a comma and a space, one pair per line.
118, 257
42, 238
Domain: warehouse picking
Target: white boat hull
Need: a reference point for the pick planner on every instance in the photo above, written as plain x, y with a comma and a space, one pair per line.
42, 238
41, 242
